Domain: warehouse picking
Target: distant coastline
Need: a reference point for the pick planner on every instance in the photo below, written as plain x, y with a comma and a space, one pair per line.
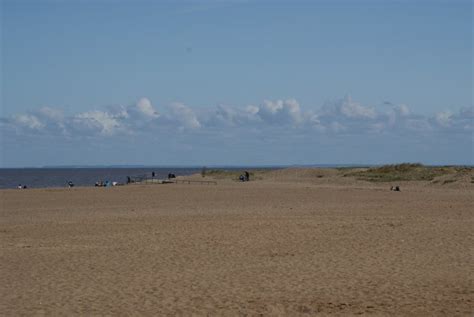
217, 166
59, 176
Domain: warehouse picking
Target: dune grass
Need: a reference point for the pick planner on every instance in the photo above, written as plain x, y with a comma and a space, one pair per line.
385, 173
256, 174
405, 172
223, 174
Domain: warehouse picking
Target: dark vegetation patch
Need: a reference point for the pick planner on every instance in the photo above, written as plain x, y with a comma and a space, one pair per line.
256, 174
406, 172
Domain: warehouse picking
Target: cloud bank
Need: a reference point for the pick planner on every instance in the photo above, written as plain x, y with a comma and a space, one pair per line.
273, 131
343, 116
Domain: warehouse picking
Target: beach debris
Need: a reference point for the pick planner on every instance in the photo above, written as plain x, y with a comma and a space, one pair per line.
395, 188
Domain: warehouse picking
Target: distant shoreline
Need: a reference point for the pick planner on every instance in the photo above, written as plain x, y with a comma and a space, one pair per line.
221, 166
88, 176
189, 166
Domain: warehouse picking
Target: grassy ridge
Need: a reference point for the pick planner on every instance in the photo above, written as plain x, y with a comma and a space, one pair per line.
255, 174
385, 173
405, 172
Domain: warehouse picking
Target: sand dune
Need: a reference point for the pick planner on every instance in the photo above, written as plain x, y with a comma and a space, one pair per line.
273, 247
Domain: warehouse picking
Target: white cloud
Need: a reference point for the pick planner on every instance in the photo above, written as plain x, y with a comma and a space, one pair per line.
348, 116
352, 109
397, 116
145, 107
253, 110
184, 116
460, 122
28, 121
54, 120
280, 112
100, 121
402, 110
52, 114
233, 116
119, 112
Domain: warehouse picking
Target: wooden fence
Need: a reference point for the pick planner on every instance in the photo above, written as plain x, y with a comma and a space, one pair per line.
188, 181
145, 179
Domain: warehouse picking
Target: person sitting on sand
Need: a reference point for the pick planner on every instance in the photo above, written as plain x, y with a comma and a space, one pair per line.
70, 184
19, 186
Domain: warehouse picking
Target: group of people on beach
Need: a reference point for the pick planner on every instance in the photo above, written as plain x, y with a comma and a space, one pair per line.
108, 183
170, 175
244, 177
153, 176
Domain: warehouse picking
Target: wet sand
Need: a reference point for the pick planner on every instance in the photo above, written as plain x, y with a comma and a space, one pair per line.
263, 247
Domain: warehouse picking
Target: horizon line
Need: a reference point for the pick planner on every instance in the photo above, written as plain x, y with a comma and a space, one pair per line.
194, 166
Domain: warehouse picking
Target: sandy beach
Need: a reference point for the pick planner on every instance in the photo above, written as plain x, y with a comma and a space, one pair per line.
281, 246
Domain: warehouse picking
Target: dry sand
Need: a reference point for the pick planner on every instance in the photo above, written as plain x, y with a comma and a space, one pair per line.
260, 248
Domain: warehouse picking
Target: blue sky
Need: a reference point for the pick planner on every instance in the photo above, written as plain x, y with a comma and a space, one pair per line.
236, 82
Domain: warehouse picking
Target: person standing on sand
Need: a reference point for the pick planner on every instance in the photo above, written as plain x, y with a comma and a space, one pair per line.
247, 176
